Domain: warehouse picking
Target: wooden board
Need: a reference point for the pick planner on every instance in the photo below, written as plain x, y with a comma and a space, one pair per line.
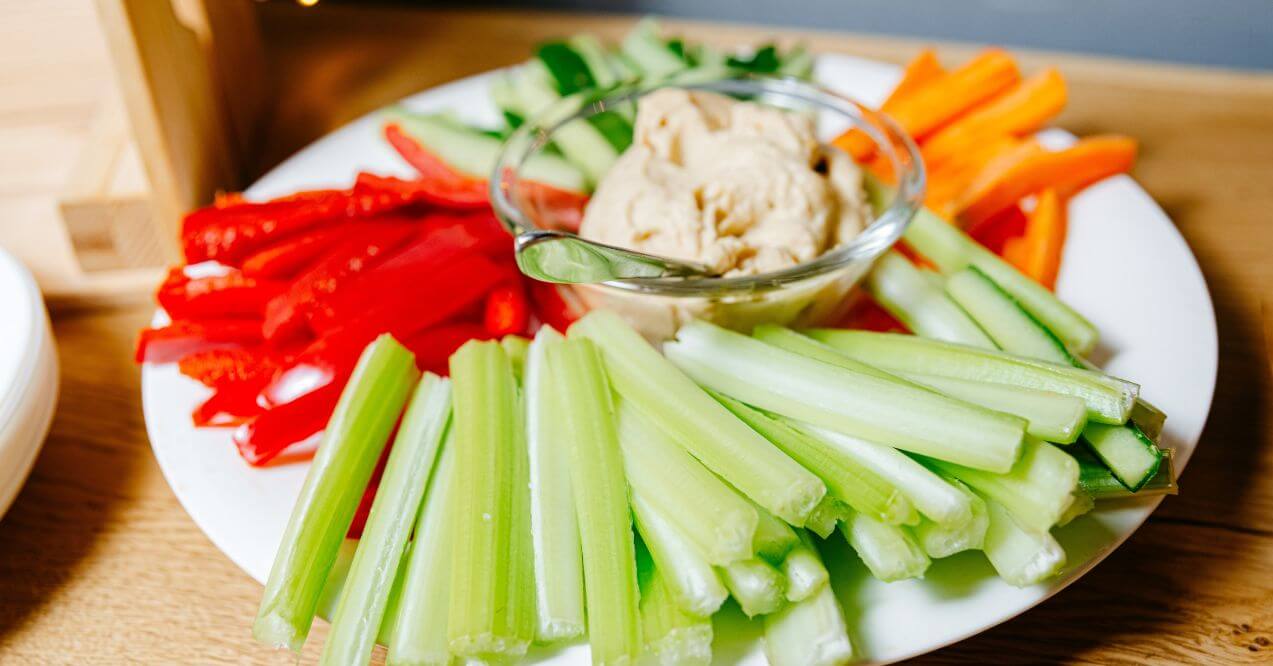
101, 565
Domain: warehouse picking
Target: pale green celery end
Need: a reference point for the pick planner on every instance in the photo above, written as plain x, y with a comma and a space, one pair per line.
423, 602
672, 637
1082, 505
517, 348
829, 513
1022, 557
558, 561
890, 552
846, 480
698, 423
720, 521
757, 586
336, 578
356, 434
521, 608
804, 571
358, 616
774, 538
485, 402
601, 500
810, 632
690, 578
940, 541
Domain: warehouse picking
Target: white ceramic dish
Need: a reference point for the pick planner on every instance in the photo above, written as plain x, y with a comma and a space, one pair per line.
28, 377
1126, 268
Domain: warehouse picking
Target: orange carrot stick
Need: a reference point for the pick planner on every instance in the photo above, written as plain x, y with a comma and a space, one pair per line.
943, 100
922, 70
946, 182
1038, 252
1067, 171
1020, 111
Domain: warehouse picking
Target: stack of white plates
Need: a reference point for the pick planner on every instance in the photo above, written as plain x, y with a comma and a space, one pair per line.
28, 376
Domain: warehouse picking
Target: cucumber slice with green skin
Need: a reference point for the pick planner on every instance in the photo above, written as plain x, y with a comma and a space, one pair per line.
798, 63
649, 52
1100, 483
594, 55
1022, 557
890, 552
471, 152
504, 94
904, 290
1108, 399
614, 127
1128, 453
567, 66
580, 141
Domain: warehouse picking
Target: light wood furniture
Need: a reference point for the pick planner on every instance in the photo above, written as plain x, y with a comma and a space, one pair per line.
99, 563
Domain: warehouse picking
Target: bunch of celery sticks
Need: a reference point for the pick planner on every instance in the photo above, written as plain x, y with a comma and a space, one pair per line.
590, 485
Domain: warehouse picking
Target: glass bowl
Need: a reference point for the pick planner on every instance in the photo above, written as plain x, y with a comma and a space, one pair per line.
807, 294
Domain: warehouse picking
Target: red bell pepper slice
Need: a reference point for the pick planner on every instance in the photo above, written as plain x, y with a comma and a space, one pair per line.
231, 404
379, 193
433, 346
228, 296
995, 231
434, 169
289, 257
231, 233
216, 368
507, 310
867, 315
551, 306
285, 316
265, 437
183, 337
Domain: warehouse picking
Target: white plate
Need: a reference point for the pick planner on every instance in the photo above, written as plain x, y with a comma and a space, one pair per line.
1126, 268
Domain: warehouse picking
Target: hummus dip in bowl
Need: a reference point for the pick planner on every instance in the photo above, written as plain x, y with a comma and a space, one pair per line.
734, 173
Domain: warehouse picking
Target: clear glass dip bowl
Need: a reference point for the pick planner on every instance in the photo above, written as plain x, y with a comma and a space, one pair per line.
812, 293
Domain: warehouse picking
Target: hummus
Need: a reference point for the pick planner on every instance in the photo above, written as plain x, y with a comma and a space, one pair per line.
740, 187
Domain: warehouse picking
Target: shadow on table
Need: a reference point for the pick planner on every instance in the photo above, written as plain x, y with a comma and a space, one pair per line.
81, 479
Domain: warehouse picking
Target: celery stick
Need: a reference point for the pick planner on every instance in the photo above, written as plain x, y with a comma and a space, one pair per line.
798, 343
1021, 556
672, 637
902, 289
702, 426
846, 480
945, 540
929, 494
890, 552
1037, 491
371, 576
356, 434
1050, 416
420, 627
690, 578
336, 577
829, 513
1082, 505
520, 603
601, 501
517, 348
720, 522
1108, 399
804, 571
809, 633
482, 621
756, 585
907, 417
774, 538
554, 526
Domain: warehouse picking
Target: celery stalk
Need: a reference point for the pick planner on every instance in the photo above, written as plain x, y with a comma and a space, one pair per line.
720, 522
846, 480
1038, 490
930, 495
861, 404
672, 636
421, 624
756, 585
804, 571
830, 512
356, 434
486, 617
1021, 556
689, 577
808, 633
554, 526
798, 343
371, 576
1082, 505
702, 426
601, 502
774, 538
1050, 416
890, 552
517, 349
945, 540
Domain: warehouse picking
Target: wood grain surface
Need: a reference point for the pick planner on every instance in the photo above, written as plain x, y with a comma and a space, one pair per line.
100, 564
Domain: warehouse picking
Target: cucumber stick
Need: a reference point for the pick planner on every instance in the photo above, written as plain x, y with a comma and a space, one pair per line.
863, 405
687, 414
691, 580
362, 604
474, 153
1128, 453
601, 501
1098, 482
581, 141
646, 49
902, 289
890, 552
359, 427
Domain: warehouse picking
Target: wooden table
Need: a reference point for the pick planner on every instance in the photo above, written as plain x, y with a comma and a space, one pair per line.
99, 563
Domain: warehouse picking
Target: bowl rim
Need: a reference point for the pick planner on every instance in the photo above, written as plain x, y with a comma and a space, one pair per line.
887, 138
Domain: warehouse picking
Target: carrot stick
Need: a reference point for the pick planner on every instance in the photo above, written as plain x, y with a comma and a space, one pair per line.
1018, 112
942, 100
1038, 252
922, 70
946, 182
1068, 171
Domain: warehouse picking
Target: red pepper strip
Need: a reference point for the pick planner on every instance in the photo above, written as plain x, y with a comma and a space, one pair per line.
183, 337
229, 234
285, 316
551, 306
378, 193
216, 368
507, 311
433, 168
228, 296
230, 405
433, 346
363, 512
326, 359
289, 257
995, 231
867, 315
550, 207
269, 434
